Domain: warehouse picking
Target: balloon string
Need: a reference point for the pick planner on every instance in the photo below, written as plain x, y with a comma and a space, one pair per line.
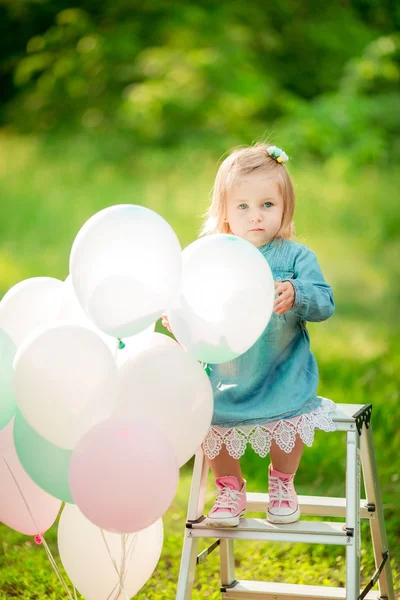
47, 549
121, 571
128, 554
126, 558
112, 561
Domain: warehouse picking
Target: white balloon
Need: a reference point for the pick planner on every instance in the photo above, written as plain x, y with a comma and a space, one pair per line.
169, 388
141, 343
125, 265
29, 304
65, 381
71, 310
226, 298
8, 404
87, 561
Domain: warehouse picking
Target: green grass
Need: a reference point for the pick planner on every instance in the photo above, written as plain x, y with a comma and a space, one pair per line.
349, 218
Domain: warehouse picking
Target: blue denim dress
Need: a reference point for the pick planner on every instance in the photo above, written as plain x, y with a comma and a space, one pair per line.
277, 378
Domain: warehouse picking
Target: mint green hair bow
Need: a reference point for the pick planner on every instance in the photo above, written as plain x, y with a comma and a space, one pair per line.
278, 154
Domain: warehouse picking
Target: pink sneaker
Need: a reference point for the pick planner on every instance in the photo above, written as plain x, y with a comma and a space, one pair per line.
283, 505
230, 504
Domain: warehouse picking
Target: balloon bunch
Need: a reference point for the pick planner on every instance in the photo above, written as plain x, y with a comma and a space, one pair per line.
100, 412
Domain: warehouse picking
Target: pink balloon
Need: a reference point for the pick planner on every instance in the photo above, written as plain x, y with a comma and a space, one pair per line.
6, 437
13, 511
123, 475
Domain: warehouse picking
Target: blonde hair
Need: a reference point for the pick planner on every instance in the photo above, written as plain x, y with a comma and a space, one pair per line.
239, 163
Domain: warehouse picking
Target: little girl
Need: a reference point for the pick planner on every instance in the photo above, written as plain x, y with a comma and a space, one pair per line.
266, 397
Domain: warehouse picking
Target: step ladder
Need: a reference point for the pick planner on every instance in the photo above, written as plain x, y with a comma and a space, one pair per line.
355, 420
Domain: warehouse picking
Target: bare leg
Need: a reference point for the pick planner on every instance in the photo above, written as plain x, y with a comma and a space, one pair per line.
223, 465
284, 462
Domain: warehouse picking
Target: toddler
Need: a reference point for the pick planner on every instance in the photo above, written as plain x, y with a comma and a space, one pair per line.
267, 397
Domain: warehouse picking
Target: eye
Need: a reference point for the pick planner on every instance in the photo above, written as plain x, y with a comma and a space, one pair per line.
242, 206
267, 204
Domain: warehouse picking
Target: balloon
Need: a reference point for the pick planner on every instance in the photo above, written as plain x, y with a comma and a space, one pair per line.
6, 437
8, 403
29, 304
123, 475
138, 343
125, 265
226, 298
13, 510
45, 463
167, 387
65, 381
88, 564
71, 310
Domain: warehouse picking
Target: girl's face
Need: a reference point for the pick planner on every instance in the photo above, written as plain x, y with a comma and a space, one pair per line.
254, 209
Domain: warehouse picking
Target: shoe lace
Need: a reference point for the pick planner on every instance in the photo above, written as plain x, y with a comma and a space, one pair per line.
227, 497
280, 490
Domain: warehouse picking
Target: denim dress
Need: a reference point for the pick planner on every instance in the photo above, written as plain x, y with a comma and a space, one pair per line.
273, 386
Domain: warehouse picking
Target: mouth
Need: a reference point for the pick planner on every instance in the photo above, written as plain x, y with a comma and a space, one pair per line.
257, 229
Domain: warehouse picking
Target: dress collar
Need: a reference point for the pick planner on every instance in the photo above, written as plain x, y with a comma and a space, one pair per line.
271, 244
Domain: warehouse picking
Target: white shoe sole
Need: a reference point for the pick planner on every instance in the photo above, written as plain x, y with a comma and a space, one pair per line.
282, 519
215, 522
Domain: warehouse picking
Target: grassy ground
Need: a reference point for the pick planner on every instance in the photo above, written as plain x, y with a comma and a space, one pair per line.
350, 219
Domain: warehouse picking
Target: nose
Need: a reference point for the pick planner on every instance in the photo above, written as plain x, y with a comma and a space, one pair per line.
255, 217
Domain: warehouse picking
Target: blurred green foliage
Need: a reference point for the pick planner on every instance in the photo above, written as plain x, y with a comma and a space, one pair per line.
171, 72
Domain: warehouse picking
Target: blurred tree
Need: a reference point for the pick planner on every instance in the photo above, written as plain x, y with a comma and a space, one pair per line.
361, 121
172, 70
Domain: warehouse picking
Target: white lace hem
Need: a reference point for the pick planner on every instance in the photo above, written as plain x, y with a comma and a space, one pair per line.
260, 435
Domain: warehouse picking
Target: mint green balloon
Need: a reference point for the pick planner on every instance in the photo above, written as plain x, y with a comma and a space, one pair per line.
8, 404
45, 463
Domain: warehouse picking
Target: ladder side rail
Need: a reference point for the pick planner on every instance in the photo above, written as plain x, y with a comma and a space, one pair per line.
227, 562
187, 569
353, 549
198, 487
377, 525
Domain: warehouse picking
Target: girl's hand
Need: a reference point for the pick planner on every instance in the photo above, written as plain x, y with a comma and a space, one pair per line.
286, 297
165, 322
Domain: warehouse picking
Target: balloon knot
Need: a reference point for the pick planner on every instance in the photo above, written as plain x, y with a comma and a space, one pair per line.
121, 344
207, 368
38, 539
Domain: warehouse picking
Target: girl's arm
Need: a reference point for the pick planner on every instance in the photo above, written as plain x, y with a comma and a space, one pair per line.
313, 296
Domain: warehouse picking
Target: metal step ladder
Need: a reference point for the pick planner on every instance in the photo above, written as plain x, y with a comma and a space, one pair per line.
355, 420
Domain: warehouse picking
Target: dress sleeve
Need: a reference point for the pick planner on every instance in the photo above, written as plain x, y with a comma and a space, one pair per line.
313, 296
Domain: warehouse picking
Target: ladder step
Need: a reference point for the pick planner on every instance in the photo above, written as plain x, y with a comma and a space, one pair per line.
287, 591
319, 506
345, 416
344, 412
314, 532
